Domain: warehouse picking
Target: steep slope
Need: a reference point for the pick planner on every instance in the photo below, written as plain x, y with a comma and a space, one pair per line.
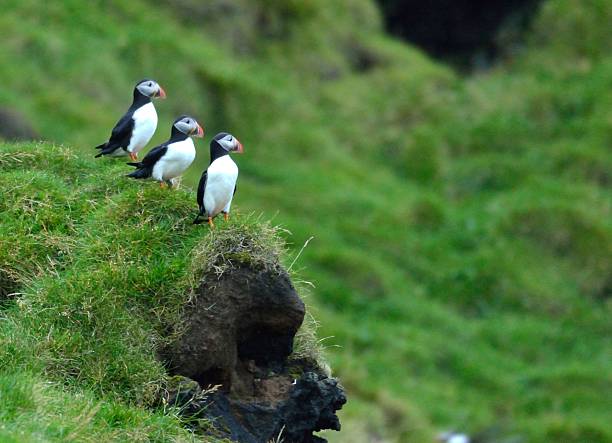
463, 241
97, 290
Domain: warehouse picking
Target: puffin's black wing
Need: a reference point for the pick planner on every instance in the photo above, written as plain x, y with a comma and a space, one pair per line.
122, 132
144, 168
201, 189
120, 135
200, 197
154, 155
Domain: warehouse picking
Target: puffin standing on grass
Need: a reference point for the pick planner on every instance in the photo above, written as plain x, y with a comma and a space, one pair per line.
170, 159
134, 130
218, 183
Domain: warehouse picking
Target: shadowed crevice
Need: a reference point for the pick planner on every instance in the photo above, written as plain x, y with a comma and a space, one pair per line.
468, 33
8, 287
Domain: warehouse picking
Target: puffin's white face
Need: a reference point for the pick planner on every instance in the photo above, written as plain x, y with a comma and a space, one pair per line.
150, 88
230, 143
188, 125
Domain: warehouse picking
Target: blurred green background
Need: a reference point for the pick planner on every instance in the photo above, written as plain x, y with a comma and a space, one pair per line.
460, 206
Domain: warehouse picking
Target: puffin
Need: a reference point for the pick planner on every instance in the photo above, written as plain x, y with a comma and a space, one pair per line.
134, 130
218, 182
170, 159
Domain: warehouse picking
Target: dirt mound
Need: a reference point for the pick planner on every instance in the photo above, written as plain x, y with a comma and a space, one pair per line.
239, 336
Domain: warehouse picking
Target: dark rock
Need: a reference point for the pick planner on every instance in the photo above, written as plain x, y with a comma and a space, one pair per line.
13, 126
240, 421
311, 407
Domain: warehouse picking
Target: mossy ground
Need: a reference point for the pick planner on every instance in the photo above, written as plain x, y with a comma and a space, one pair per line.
462, 224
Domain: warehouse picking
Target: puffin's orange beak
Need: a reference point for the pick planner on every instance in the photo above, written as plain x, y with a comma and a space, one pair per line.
199, 132
161, 93
240, 148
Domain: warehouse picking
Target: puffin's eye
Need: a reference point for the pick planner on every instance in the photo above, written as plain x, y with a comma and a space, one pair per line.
150, 84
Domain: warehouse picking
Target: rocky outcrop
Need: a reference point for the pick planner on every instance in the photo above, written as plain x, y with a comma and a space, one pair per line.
244, 320
238, 337
312, 405
309, 406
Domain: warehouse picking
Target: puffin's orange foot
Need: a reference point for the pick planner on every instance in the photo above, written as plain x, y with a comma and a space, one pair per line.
225, 216
133, 156
210, 223
162, 185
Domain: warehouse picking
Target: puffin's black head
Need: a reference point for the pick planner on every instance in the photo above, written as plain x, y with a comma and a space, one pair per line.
189, 126
150, 88
227, 142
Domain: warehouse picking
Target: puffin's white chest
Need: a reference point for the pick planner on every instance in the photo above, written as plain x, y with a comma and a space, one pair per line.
175, 161
220, 184
145, 123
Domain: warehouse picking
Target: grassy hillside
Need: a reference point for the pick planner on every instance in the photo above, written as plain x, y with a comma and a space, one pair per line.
463, 232
76, 358
92, 289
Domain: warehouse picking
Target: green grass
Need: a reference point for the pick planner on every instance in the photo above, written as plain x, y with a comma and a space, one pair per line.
96, 284
34, 410
463, 229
